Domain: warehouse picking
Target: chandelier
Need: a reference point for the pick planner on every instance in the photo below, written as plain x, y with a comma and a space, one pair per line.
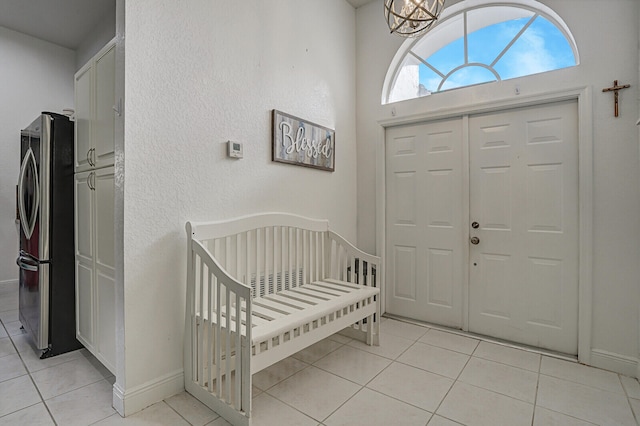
413, 17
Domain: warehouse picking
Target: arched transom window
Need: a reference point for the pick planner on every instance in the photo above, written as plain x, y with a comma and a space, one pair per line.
478, 45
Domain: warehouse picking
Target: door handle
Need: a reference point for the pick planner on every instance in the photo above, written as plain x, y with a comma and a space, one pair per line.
91, 157
91, 181
475, 240
27, 264
28, 223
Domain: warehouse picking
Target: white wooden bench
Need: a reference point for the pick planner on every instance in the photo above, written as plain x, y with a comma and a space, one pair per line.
261, 288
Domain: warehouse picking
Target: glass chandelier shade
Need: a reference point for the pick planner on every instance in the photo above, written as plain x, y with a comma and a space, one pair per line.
410, 18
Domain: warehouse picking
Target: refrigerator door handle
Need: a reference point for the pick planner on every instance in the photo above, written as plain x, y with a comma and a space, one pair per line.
27, 263
31, 257
28, 223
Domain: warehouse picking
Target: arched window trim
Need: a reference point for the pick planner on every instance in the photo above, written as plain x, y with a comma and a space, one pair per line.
450, 12
469, 64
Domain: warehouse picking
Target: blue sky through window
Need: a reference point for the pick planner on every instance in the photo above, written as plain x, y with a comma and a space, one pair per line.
541, 47
487, 43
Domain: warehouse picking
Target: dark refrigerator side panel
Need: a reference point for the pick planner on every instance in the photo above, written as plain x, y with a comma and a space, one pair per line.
62, 318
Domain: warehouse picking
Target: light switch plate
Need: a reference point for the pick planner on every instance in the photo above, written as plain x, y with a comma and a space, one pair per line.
234, 149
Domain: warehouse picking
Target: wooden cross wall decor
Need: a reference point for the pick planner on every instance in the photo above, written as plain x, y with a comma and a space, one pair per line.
615, 89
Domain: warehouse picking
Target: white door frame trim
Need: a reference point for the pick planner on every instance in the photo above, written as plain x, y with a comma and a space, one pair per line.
585, 190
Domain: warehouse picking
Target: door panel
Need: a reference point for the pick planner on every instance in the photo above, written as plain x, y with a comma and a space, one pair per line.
83, 114
104, 194
104, 120
84, 215
106, 320
404, 262
404, 191
440, 282
424, 213
84, 303
523, 192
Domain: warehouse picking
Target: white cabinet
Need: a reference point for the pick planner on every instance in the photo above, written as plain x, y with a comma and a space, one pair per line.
95, 285
94, 111
85, 276
94, 208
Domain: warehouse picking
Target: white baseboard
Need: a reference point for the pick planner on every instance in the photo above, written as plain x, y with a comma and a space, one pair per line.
130, 401
9, 283
622, 364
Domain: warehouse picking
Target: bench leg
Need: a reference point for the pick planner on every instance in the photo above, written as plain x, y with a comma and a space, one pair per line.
370, 330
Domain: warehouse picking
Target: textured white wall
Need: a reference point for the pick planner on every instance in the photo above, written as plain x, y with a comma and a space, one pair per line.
608, 45
199, 73
638, 367
35, 76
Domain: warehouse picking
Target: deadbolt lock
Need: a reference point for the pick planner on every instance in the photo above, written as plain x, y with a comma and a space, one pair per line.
475, 225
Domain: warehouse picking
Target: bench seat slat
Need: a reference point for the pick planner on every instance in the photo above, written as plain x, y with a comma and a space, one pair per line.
323, 308
288, 301
275, 306
324, 290
265, 312
333, 287
299, 297
319, 297
282, 322
223, 322
341, 283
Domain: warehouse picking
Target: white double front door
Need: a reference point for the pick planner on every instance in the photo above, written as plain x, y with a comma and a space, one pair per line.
482, 224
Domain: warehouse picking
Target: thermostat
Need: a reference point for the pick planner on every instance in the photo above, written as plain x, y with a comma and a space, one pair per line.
234, 149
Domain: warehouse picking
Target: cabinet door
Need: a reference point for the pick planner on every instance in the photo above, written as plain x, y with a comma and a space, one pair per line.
104, 218
84, 303
84, 216
83, 115
84, 241
106, 320
105, 297
103, 125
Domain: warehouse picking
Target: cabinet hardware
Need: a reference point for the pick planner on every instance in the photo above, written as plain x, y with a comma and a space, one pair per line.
118, 108
91, 181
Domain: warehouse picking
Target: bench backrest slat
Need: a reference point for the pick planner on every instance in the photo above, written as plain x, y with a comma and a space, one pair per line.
269, 252
223, 228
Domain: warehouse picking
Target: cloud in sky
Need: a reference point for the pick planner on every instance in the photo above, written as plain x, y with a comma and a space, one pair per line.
530, 54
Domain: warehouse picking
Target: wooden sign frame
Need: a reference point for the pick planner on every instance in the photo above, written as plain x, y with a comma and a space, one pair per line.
302, 143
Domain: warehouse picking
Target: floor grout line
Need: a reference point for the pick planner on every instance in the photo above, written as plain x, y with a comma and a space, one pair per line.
361, 387
535, 398
28, 373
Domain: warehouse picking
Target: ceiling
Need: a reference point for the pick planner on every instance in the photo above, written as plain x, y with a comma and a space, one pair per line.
358, 3
63, 22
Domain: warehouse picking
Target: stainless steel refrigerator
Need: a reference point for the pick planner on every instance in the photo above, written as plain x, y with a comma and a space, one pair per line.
46, 214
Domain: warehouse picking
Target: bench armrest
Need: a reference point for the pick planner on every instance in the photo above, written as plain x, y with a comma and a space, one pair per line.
347, 263
353, 250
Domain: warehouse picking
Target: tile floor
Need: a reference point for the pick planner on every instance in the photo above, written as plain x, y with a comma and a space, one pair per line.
418, 376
